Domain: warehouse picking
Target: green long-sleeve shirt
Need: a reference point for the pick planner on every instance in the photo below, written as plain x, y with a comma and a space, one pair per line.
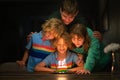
93, 55
95, 59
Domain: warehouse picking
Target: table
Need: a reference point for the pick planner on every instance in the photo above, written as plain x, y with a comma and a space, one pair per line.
11, 71
53, 76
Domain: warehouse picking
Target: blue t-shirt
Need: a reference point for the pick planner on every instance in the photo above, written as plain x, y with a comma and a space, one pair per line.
69, 62
38, 50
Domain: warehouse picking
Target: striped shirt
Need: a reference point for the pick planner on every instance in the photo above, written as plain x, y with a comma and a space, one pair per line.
69, 62
38, 50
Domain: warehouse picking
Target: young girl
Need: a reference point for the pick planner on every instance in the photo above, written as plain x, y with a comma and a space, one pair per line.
62, 60
39, 45
83, 44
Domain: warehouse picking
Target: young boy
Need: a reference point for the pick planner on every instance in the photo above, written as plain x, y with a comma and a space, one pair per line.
62, 60
39, 45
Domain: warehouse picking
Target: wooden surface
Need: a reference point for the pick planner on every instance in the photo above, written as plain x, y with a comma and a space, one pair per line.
11, 71
51, 76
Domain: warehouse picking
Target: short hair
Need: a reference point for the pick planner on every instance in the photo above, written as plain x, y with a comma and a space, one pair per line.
66, 37
69, 6
53, 24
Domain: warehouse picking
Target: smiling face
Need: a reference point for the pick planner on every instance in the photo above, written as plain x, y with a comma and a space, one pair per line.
77, 41
61, 46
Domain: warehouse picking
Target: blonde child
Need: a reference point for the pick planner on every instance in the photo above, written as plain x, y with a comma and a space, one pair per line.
39, 45
62, 60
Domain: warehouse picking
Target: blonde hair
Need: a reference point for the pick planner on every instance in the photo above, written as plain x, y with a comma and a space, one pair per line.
53, 24
67, 39
81, 31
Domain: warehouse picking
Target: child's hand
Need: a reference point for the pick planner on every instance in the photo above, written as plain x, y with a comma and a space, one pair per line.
29, 36
98, 35
21, 63
75, 69
71, 70
83, 71
53, 70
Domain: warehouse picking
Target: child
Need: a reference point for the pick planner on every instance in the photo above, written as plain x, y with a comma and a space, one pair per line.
82, 44
62, 60
39, 45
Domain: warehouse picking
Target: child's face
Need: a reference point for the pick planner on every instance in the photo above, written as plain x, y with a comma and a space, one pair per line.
67, 18
61, 46
50, 35
77, 41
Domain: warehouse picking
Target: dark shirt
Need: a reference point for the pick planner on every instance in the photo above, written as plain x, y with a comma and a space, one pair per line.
78, 19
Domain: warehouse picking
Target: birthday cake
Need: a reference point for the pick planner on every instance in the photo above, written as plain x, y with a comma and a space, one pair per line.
61, 70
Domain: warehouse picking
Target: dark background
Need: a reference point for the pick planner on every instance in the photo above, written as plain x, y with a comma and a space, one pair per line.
19, 17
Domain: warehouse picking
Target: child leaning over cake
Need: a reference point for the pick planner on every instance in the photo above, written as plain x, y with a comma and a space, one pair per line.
95, 60
62, 60
39, 45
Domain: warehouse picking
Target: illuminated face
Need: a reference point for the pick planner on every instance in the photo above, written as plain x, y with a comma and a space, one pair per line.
61, 46
49, 35
67, 18
78, 42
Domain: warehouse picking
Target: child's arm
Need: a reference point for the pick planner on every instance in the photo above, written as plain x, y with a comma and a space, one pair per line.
75, 69
41, 67
80, 63
82, 71
79, 69
29, 36
78, 60
24, 59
